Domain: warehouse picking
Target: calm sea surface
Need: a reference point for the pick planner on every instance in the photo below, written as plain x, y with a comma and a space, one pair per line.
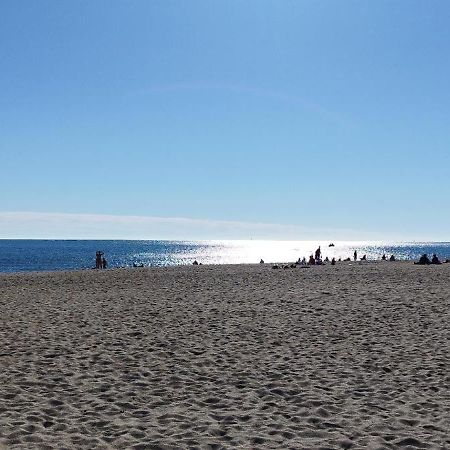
37, 255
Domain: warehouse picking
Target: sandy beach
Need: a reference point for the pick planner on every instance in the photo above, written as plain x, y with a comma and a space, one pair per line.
352, 356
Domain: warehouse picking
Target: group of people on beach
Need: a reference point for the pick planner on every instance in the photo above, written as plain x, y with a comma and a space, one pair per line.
424, 260
315, 259
100, 261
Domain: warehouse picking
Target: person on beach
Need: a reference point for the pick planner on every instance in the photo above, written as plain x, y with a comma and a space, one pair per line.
392, 258
318, 253
333, 262
312, 261
383, 258
355, 255
104, 263
98, 259
435, 259
424, 260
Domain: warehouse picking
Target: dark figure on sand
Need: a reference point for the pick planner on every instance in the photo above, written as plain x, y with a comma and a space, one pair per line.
392, 258
355, 255
333, 262
424, 260
104, 263
318, 253
312, 261
435, 259
383, 258
98, 259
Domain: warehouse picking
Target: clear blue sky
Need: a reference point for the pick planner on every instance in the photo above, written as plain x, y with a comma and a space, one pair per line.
314, 114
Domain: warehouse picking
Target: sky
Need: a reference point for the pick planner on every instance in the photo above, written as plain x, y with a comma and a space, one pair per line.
225, 119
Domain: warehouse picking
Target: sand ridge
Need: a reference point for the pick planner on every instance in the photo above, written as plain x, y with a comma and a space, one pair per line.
210, 357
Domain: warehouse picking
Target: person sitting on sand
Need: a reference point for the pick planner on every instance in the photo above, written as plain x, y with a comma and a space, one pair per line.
333, 261
392, 258
261, 261
326, 259
424, 260
312, 261
195, 263
435, 259
383, 258
364, 258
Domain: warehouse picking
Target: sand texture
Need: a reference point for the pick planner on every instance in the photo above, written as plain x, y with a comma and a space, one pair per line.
355, 356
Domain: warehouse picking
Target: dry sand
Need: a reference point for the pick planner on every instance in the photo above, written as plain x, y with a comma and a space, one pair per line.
352, 356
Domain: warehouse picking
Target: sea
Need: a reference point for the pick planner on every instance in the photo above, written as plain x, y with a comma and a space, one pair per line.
49, 255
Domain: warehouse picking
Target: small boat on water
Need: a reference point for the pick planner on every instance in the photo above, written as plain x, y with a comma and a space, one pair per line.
331, 245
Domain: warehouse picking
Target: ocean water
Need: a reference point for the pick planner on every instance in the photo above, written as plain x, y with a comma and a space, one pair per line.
41, 255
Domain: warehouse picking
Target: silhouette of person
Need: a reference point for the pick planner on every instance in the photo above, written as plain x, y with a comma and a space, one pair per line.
261, 261
392, 258
311, 261
435, 259
318, 253
383, 257
98, 259
355, 255
333, 261
424, 260
104, 263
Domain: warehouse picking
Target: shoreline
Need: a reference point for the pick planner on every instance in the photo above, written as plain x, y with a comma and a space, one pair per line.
266, 264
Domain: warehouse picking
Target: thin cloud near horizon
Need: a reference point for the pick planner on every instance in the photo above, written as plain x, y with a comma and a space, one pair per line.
51, 225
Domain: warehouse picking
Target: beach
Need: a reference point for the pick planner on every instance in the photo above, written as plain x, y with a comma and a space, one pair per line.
355, 355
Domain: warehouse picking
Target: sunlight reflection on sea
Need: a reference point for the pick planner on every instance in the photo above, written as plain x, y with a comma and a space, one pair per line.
38, 255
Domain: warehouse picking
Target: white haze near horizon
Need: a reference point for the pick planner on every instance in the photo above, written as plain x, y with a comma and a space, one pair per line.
39, 225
